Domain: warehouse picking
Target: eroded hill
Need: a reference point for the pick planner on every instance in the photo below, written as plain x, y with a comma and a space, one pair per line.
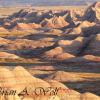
54, 46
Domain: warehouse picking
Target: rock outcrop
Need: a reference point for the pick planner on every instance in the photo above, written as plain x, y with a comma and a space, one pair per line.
55, 22
62, 76
6, 55
93, 12
19, 79
24, 26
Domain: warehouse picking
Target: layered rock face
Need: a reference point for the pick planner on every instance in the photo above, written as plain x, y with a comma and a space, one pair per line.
93, 12
55, 36
8, 55
18, 79
55, 22
23, 26
56, 47
32, 18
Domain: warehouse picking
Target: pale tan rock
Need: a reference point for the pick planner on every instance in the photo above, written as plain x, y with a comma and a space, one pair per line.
89, 96
53, 52
63, 76
94, 47
8, 55
64, 56
7, 79
55, 22
75, 46
47, 98
93, 12
28, 98
65, 42
2, 29
26, 26
26, 80
82, 27
16, 97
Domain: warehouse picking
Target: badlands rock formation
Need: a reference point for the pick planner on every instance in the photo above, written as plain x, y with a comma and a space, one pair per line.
64, 76
23, 26
53, 45
6, 55
55, 22
93, 12
19, 79
54, 38
2, 29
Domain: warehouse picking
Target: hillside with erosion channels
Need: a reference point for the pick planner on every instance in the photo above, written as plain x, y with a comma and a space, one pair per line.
50, 54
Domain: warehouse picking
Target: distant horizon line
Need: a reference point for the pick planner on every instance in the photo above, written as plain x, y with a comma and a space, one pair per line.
1, 6
47, 4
